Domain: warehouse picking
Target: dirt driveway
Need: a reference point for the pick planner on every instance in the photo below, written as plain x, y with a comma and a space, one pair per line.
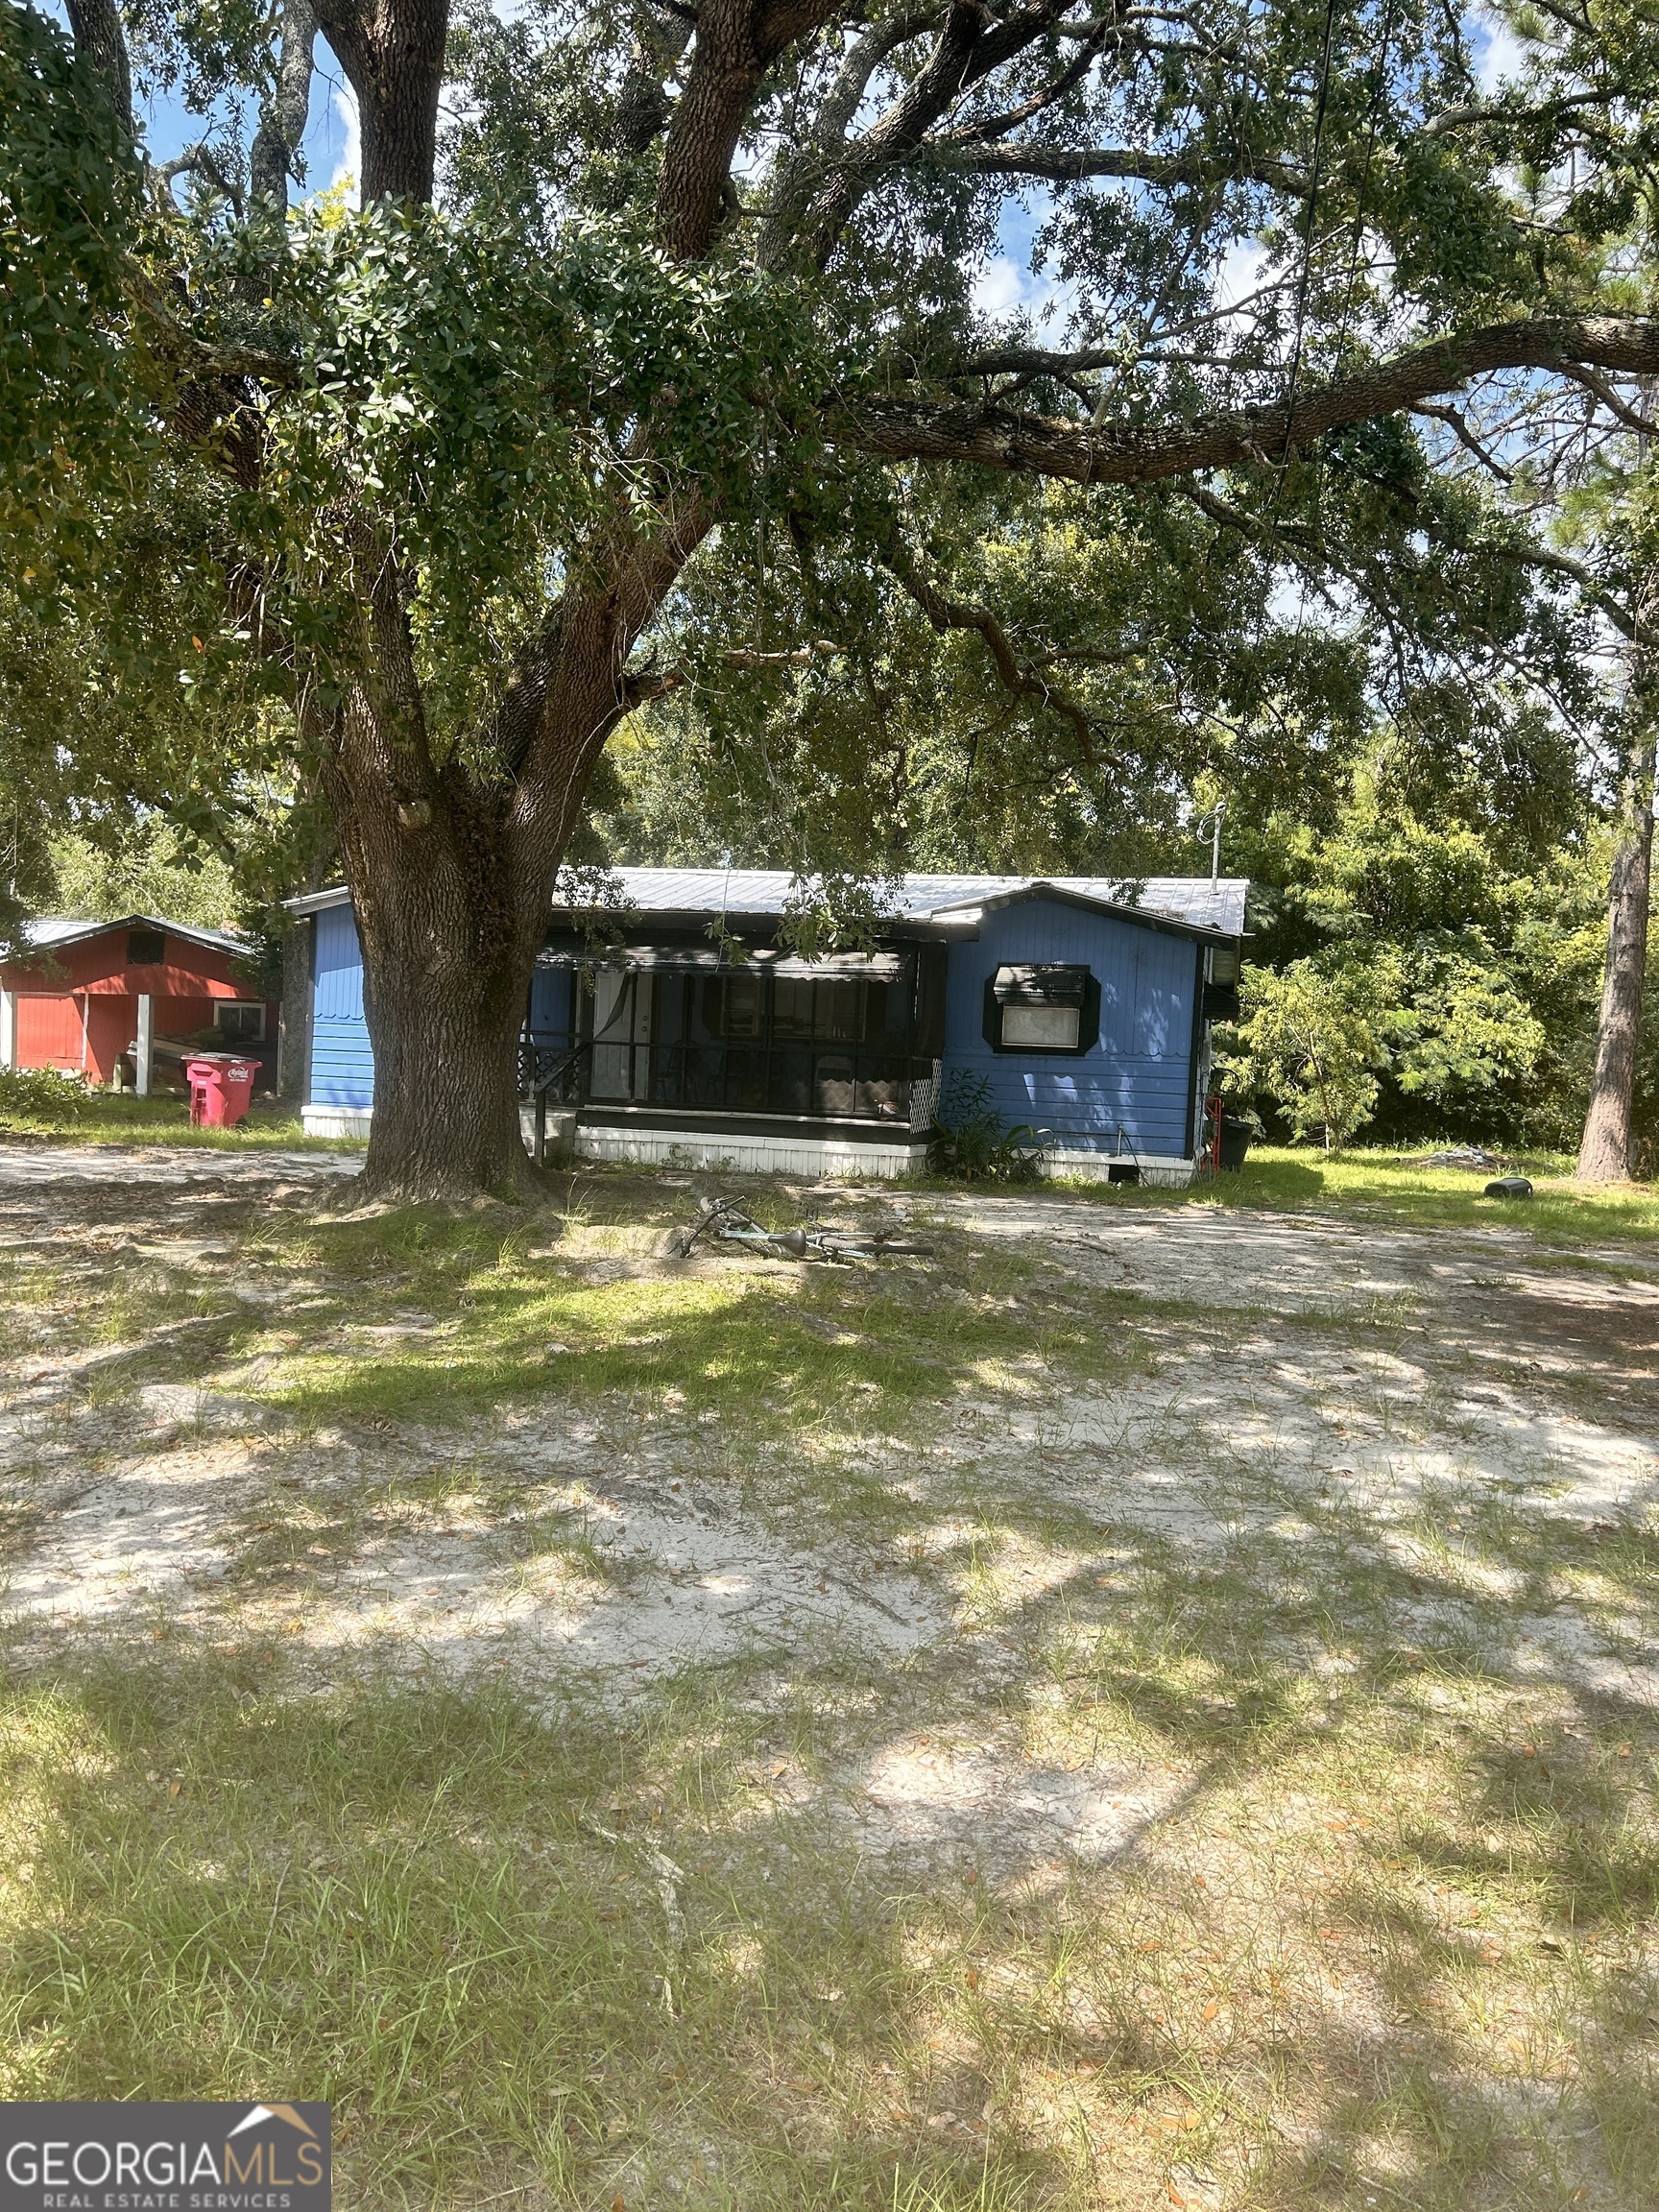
1411, 1366
1183, 1571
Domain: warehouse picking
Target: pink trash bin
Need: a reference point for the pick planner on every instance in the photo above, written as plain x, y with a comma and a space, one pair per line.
220, 1090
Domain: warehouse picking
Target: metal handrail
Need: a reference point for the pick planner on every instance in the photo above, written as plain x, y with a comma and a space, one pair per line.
542, 1083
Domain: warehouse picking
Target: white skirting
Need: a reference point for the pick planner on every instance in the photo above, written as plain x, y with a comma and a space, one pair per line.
769, 1155
1159, 1170
336, 1120
750, 1154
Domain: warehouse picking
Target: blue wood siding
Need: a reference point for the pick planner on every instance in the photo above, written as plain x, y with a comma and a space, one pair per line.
341, 1062
1136, 1076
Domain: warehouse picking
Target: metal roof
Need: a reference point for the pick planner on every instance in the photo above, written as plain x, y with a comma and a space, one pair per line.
1188, 901
1193, 901
51, 931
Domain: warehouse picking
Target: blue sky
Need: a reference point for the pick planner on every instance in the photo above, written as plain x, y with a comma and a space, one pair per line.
1007, 285
330, 143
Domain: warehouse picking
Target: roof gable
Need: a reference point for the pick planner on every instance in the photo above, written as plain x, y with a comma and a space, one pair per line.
51, 932
1174, 903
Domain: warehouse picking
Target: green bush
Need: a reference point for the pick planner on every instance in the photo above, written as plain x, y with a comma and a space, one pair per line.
972, 1142
1320, 1036
1311, 1042
30, 1097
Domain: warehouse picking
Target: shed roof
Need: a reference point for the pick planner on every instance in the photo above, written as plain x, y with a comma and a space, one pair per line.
51, 931
1190, 901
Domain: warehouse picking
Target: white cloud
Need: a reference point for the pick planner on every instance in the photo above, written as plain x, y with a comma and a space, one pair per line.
348, 166
1500, 53
1000, 287
1242, 271
1005, 287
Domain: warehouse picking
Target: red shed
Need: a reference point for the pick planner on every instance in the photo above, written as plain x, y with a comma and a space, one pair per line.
88, 994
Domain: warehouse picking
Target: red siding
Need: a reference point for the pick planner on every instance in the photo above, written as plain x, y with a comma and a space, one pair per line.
54, 986
48, 1030
112, 1024
99, 964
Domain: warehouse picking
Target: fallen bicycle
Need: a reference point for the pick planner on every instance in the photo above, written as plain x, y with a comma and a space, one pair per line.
724, 1221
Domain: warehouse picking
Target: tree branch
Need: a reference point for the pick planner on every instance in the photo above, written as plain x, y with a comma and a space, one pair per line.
1458, 422
995, 437
642, 686
1452, 119
192, 357
659, 41
737, 40
996, 126
1022, 678
275, 155
1067, 165
802, 172
1600, 389
101, 43
1588, 582
901, 129
199, 160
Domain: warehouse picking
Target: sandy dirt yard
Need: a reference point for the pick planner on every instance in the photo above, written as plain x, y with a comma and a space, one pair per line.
1150, 1704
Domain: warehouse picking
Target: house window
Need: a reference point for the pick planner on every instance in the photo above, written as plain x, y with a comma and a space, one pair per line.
1050, 1028
241, 1020
1222, 983
1042, 1009
145, 947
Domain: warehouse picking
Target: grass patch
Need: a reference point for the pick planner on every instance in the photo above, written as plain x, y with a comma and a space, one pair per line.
763, 1351
396, 1899
1368, 1947
1244, 1830
1380, 1186
110, 1118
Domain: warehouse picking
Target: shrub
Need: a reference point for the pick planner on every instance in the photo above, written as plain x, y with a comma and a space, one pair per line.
1311, 1043
30, 1097
1319, 1037
972, 1142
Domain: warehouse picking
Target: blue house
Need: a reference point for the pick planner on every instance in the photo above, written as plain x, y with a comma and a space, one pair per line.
673, 1024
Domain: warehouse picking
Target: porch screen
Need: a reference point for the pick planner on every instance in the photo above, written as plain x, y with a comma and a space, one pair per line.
674, 1029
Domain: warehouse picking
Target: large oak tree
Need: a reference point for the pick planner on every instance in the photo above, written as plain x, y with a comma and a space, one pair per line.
691, 274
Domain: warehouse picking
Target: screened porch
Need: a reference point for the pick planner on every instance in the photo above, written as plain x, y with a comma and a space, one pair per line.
679, 1030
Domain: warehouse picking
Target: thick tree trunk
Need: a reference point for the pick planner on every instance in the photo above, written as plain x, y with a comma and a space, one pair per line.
446, 1005
452, 859
450, 928
452, 873
449, 917
1604, 1156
